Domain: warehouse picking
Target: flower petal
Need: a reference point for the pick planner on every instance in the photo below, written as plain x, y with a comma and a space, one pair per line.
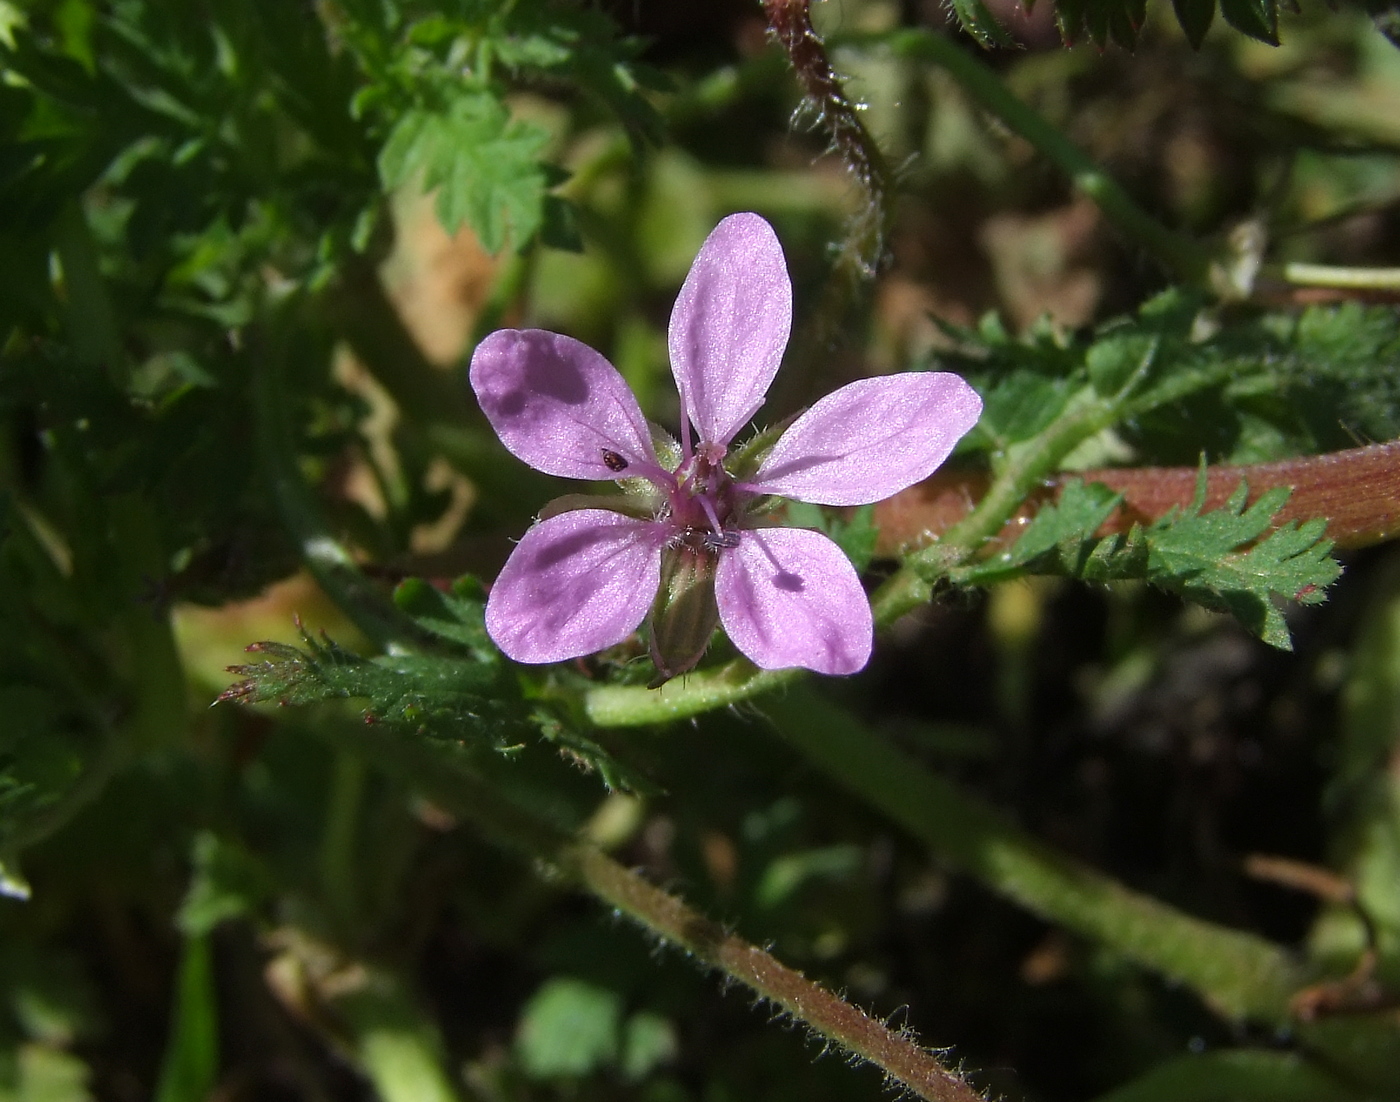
559, 405
577, 583
870, 439
730, 326
790, 597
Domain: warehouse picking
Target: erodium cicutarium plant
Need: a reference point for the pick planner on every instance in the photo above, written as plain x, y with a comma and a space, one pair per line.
693, 538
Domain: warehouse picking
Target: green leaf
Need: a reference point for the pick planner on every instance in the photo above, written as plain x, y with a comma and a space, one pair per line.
569, 1028
1224, 560
978, 21
483, 164
190, 1066
228, 881
1059, 537
1195, 17
1022, 404
437, 695
1101, 21
1256, 18
456, 616
1117, 359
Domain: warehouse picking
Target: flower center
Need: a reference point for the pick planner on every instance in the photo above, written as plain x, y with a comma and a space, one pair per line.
702, 505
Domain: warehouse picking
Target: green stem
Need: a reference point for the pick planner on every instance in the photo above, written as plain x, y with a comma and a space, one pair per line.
790, 23
1023, 468
663, 915
338, 842
1325, 275
395, 1042
1183, 256
689, 695
1240, 975
91, 319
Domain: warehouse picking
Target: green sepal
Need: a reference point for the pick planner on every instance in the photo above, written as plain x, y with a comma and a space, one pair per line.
631, 502
684, 616
743, 462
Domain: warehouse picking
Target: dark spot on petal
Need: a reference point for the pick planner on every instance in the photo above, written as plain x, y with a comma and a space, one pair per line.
550, 374
789, 582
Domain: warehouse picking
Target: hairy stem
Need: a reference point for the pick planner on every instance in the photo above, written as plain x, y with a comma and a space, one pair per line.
790, 23
664, 916
1357, 490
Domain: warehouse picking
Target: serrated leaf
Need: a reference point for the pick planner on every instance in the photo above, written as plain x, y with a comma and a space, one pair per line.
1125, 21
978, 21
456, 616
483, 164
1256, 18
440, 696
1226, 559
1200, 556
1114, 361
1195, 17
455, 696
1065, 527
1021, 404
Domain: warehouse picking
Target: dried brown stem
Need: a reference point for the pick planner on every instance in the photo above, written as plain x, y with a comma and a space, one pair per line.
1357, 490
790, 22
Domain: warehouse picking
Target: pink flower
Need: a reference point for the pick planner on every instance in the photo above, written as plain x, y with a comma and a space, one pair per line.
689, 539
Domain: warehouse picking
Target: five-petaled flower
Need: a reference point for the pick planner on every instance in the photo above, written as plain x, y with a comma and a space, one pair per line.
693, 539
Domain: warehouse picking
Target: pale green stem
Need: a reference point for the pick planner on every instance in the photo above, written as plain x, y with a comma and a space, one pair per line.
1240, 975
692, 694
338, 841
396, 1044
1345, 279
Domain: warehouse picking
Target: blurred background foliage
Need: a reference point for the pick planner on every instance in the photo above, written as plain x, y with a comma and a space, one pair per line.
248, 247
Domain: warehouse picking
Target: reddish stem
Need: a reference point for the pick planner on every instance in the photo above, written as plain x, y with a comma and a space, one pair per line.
1357, 490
